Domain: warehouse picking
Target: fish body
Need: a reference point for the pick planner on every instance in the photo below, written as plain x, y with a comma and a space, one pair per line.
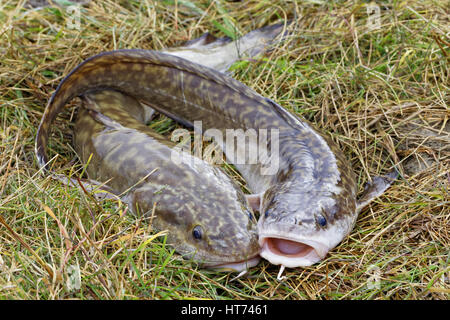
204, 212
308, 203
312, 173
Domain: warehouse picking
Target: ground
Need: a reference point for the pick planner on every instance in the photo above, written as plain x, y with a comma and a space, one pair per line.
373, 75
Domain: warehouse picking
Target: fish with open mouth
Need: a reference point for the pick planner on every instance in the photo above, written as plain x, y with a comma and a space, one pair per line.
307, 205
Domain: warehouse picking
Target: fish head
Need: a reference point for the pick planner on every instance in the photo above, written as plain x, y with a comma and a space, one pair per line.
212, 232
299, 228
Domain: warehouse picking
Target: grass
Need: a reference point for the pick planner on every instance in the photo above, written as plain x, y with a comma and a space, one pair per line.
381, 94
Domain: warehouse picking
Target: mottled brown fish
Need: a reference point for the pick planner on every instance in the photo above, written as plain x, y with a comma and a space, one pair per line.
308, 205
204, 212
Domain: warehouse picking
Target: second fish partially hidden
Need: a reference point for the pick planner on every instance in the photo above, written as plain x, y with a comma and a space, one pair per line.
204, 212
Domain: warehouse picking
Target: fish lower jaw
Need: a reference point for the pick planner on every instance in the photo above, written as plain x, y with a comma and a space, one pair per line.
291, 253
236, 266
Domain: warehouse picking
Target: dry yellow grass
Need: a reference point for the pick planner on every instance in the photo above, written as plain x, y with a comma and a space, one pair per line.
382, 94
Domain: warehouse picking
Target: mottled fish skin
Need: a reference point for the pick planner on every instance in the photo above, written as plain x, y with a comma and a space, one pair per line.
243, 246
204, 50
189, 196
308, 206
159, 80
313, 174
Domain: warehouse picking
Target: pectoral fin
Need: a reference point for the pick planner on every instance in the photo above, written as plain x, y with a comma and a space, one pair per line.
99, 190
375, 188
254, 201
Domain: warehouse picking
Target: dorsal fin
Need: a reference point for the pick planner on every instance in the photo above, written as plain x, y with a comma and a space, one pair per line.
206, 39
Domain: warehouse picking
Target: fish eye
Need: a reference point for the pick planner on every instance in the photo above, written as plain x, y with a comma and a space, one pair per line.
197, 232
321, 220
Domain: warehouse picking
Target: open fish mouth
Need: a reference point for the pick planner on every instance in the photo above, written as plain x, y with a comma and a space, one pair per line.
291, 252
236, 266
